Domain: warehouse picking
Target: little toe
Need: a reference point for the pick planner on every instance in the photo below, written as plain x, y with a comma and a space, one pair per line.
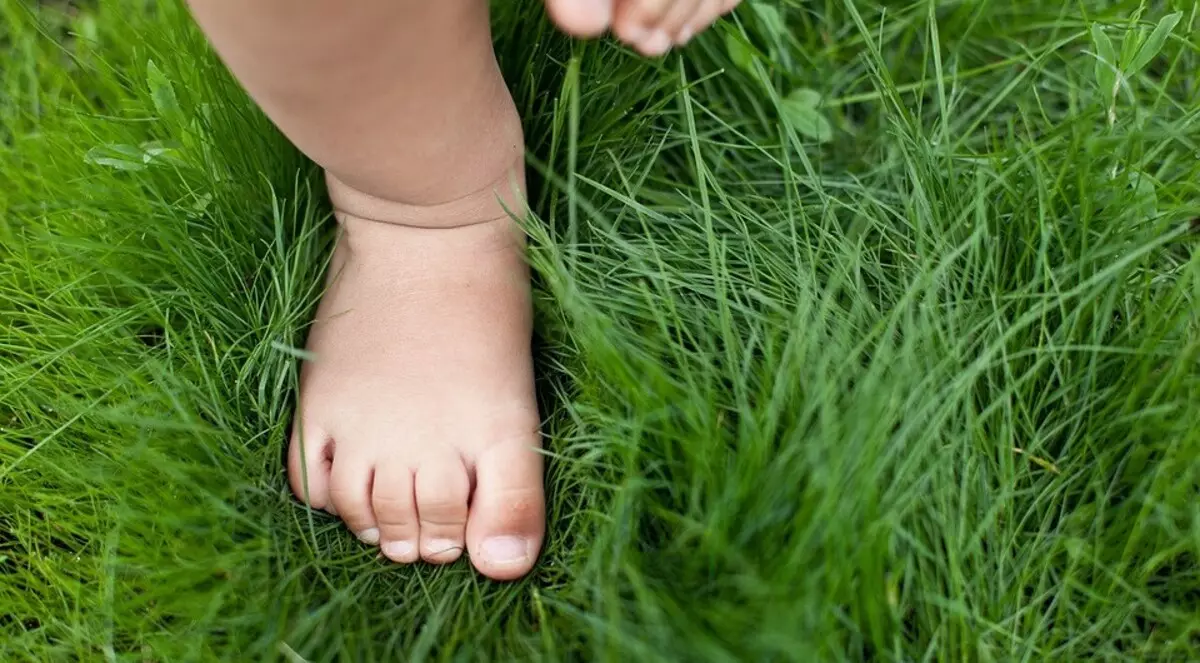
350, 493
310, 455
443, 489
396, 512
581, 18
507, 523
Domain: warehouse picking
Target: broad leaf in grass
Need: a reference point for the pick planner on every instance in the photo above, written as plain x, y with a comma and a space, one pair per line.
1106, 61
162, 93
741, 53
801, 109
1153, 44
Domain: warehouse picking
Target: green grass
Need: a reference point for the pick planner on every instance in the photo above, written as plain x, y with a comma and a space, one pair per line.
926, 391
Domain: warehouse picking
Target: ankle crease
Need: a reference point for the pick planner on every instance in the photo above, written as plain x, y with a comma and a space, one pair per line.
503, 197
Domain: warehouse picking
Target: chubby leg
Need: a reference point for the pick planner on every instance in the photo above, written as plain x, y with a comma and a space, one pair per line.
417, 422
398, 99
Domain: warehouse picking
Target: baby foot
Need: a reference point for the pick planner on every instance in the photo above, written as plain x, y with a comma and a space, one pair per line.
651, 27
417, 422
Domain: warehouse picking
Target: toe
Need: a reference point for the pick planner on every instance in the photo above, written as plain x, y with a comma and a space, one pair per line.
396, 512
677, 20
707, 14
637, 23
504, 533
350, 493
581, 18
309, 460
443, 489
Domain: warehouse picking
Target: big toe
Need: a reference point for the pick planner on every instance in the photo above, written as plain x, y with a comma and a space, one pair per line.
581, 18
507, 519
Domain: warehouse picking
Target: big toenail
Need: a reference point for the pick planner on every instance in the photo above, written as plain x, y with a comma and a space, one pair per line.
369, 536
399, 550
657, 43
505, 550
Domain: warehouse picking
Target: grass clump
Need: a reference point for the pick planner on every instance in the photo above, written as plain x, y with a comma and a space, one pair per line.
867, 331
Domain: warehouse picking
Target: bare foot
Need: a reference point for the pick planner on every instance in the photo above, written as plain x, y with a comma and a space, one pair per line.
650, 26
418, 415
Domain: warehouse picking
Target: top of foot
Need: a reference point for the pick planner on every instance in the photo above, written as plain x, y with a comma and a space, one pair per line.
651, 27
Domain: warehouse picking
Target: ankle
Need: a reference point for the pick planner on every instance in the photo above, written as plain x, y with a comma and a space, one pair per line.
486, 182
504, 196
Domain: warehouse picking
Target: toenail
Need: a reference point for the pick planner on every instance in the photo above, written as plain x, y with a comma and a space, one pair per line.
635, 34
505, 550
332, 511
399, 550
441, 546
657, 43
369, 536
686, 34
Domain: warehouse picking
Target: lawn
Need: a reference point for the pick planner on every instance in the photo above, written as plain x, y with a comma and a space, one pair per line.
866, 330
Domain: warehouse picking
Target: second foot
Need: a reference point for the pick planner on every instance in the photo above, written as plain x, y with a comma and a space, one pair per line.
652, 27
418, 423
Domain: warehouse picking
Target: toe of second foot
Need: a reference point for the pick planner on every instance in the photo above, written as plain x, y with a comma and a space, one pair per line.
581, 18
